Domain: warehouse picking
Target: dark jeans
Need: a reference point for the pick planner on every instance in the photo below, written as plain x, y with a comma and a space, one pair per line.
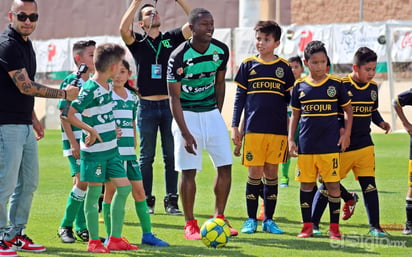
154, 116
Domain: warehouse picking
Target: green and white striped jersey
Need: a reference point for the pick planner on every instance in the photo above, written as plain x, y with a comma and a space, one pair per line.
95, 104
61, 104
124, 111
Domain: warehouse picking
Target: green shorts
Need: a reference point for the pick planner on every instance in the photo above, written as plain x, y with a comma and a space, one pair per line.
101, 171
74, 165
133, 170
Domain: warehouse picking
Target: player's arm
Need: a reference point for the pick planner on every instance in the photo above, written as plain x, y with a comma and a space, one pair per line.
126, 22
93, 135
293, 124
177, 112
344, 140
74, 145
37, 126
28, 87
405, 122
378, 121
187, 33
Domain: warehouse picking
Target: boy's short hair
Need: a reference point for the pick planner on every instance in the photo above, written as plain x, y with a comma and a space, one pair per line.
269, 27
364, 55
80, 46
314, 47
196, 13
107, 54
296, 59
140, 14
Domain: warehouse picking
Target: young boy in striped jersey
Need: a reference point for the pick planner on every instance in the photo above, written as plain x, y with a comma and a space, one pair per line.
82, 53
124, 109
100, 160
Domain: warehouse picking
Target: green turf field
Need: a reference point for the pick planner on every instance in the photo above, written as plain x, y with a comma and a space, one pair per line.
392, 153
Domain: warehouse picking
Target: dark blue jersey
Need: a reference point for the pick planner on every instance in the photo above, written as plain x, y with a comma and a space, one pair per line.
405, 98
319, 105
263, 93
364, 102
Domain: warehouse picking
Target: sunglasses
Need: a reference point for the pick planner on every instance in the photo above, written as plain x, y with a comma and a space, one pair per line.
23, 17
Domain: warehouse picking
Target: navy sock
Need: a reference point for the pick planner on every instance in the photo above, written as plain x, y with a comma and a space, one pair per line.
319, 204
252, 196
408, 208
344, 194
306, 200
370, 196
270, 192
334, 208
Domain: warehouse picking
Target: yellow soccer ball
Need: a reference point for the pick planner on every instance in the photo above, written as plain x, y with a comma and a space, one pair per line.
215, 233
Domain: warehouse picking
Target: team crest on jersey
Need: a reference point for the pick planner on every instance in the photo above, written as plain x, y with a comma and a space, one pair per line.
350, 93
374, 95
280, 73
179, 71
249, 156
302, 94
215, 56
99, 170
331, 91
252, 72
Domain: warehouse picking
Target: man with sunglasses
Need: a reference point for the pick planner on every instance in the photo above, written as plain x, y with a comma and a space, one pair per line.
19, 168
151, 51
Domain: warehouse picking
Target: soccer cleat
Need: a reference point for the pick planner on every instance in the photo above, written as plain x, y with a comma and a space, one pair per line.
170, 204
334, 232
22, 242
192, 230
150, 239
5, 250
316, 230
271, 227
349, 207
307, 230
66, 235
83, 235
378, 232
151, 200
407, 230
96, 246
250, 226
261, 215
233, 232
120, 244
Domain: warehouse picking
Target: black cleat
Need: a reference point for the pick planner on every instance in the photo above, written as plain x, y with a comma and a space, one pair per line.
170, 204
66, 235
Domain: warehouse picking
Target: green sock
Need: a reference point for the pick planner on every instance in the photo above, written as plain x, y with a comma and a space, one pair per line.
285, 169
74, 203
106, 217
143, 213
80, 219
117, 209
91, 212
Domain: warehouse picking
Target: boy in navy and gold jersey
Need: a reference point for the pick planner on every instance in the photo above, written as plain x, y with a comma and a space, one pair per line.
359, 156
316, 100
264, 82
401, 100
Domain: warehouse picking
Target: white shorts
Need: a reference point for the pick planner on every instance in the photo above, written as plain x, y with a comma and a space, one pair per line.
210, 133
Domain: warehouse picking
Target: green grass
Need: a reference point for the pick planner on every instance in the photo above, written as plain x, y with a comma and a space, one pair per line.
392, 153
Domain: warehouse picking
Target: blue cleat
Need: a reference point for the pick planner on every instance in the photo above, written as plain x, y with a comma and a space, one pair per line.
271, 227
150, 239
250, 226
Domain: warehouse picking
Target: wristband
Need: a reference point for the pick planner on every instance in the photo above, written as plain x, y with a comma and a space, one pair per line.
65, 94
